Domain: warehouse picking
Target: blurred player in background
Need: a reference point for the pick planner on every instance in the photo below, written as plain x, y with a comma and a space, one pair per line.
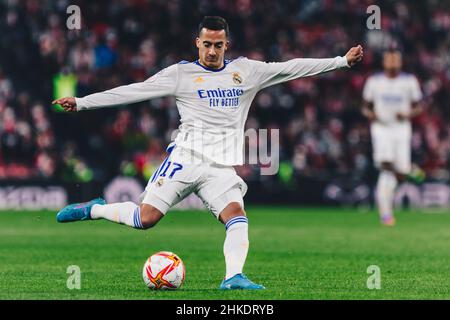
391, 100
213, 96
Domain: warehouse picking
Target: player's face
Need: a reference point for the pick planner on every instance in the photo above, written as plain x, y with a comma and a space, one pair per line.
212, 45
392, 62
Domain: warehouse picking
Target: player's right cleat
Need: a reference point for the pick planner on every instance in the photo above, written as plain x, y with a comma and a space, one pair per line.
388, 220
78, 211
240, 281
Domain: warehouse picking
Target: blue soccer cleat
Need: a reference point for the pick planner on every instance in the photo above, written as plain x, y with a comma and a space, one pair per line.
78, 211
239, 281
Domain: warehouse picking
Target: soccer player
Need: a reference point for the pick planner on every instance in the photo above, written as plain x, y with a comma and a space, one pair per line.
391, 100
213, 96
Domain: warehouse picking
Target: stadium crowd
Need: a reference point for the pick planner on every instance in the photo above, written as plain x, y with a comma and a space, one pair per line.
322, 133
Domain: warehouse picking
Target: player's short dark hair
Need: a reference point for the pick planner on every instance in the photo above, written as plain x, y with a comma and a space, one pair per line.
214, 23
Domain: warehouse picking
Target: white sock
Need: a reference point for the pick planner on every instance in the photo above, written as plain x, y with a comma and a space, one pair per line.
124, 213
236, 244
387, 182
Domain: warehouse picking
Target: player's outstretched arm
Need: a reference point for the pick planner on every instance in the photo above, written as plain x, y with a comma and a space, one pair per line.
272, 73
161, 84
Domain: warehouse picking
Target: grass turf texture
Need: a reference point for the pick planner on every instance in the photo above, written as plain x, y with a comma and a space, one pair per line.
297, 253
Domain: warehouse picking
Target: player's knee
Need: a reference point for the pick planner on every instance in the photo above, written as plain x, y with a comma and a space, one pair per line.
235, 209
150, 216
232, 210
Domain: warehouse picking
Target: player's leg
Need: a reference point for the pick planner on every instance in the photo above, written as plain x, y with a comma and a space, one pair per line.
141, 216
384, 155
222, 194
385, 191
402, 163
395, 167
236, 244
155, 202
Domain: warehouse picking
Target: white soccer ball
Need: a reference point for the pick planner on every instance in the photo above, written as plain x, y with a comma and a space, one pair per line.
164, 271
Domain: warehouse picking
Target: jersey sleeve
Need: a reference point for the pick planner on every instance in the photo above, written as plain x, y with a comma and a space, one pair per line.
272, 73
368, 94
416, 93
159, 85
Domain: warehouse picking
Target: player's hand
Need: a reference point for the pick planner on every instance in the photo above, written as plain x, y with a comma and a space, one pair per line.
354, 55
369, 114
69, 104
372, 117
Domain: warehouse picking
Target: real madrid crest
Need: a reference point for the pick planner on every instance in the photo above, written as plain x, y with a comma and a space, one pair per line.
237, 78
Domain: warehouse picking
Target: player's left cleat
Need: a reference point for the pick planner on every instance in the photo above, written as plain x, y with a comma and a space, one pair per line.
388, 220
240, 281
78, 211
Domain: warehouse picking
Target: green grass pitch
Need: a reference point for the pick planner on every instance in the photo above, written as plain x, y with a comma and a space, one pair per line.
297, 253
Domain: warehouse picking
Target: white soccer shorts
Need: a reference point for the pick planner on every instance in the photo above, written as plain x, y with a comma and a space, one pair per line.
389, 146
184, 172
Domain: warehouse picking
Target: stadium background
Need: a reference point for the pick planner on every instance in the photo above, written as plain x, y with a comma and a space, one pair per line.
47, 157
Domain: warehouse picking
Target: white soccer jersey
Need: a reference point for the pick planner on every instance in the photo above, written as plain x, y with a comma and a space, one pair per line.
213, 104
391, 96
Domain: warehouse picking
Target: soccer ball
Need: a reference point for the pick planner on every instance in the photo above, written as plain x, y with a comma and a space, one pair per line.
163, 271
